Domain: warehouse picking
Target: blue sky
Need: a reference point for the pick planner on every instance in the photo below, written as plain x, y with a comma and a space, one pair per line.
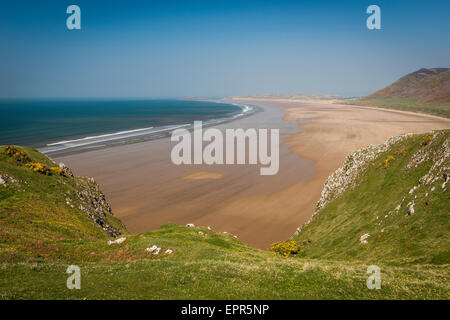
215, 48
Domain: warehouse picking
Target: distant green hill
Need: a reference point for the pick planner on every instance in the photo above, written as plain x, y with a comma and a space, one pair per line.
48, 222
427, 86
425, 90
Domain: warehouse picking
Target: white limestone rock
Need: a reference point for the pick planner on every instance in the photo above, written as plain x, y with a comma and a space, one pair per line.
363, 238
117, 241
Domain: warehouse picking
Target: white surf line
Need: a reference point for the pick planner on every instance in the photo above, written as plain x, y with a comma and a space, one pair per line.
67, 144
99, 136
73, 143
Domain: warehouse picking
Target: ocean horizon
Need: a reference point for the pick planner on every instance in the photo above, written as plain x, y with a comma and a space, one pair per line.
59, 126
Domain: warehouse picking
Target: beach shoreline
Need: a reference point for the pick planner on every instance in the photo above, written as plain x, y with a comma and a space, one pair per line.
146, 190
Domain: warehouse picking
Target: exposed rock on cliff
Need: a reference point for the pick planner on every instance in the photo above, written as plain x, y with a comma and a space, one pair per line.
346, 176
93, 203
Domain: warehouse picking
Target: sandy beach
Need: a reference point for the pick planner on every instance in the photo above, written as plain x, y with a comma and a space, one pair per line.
146, 190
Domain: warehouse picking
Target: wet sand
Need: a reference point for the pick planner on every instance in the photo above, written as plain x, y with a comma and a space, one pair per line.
146, 190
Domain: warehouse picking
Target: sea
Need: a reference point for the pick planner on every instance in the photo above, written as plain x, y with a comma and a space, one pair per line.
59, 127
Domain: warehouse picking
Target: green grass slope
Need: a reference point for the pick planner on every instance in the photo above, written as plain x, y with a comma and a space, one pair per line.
42, 233
378, 201
40, 215
412, 105
211, 266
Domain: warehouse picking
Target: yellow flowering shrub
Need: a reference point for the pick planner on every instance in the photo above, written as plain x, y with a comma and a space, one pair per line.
385, 164
285, 248
57, 170
10, 150
39, 167
427, 140
401, 152
19, 156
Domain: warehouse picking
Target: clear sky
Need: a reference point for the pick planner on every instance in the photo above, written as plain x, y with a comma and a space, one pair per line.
216, 48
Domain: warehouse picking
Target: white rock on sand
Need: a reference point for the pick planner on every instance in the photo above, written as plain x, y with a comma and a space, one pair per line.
190, 225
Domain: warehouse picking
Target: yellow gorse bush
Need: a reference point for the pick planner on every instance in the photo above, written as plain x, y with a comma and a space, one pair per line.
10, 150
19, 156
39, 167
386, 162
57, 170
285, 248
427, 140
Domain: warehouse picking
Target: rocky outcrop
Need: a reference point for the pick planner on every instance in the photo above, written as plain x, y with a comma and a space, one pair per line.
355, 163
440, 170
346, 176
92, 201
6, 179
66, 170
